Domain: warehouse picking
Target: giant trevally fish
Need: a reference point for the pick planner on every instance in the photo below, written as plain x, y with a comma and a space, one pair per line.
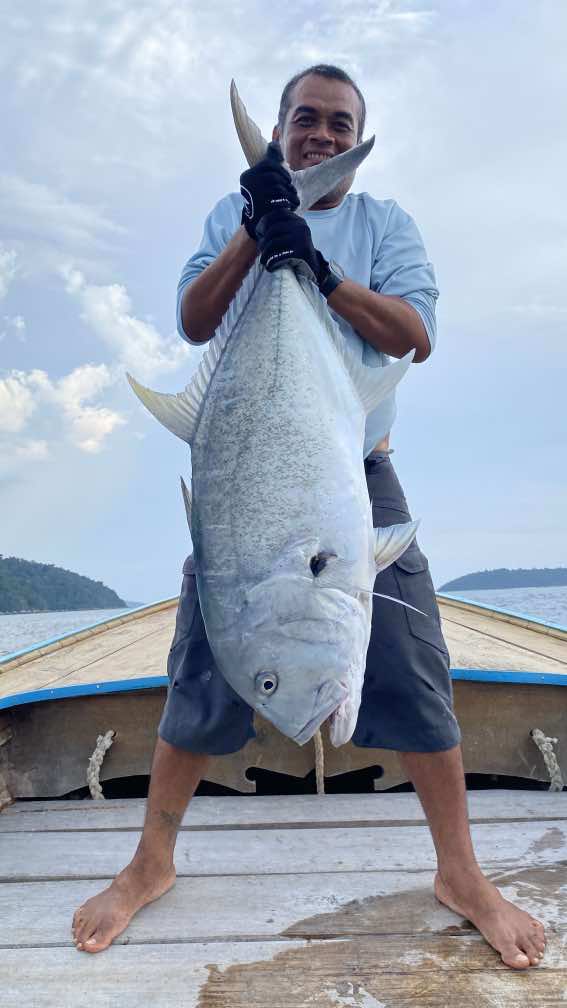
284, 549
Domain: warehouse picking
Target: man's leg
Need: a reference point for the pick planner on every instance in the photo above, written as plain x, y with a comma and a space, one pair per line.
151, 872
438, 778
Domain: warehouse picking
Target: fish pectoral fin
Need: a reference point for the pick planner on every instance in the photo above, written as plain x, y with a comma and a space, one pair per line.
391, 542
187, 500
374, 384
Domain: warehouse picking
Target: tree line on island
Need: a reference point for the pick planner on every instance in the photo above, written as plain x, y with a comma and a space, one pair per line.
26, 586
503, 577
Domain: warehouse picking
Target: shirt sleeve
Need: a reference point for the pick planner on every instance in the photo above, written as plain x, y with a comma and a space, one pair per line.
220, 225
401, 268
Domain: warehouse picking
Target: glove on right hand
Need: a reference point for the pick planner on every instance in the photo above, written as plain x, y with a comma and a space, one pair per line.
265, 187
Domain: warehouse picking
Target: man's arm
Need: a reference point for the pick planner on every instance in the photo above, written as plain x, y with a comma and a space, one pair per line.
387, 322
206, 299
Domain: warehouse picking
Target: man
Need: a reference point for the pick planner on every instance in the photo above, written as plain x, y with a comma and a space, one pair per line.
385, 306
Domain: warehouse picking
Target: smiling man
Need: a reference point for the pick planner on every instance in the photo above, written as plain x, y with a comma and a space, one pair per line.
368, 261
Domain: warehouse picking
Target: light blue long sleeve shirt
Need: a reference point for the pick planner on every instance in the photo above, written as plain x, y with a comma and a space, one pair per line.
377, 244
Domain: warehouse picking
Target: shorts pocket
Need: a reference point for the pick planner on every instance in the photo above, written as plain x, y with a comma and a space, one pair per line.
189, 622
413, 578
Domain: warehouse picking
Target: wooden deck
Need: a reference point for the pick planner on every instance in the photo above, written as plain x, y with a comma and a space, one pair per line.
280, 902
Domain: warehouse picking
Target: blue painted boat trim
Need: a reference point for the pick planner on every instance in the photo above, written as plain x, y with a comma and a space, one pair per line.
88, 689
506, 612
72, 633
151, 682
519, 678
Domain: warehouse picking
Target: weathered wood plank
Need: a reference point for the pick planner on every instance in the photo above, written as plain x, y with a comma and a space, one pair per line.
323, 905
269, 811
98, 854
432, 971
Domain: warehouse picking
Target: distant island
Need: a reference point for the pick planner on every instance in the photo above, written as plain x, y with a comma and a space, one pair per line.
502, 577
26, 586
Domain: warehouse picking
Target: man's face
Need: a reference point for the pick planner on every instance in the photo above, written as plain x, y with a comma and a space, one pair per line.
322, 121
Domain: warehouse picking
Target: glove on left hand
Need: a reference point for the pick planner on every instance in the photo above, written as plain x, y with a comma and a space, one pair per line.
283, 237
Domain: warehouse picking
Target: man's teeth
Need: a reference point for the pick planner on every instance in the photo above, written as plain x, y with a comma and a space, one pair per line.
317, 157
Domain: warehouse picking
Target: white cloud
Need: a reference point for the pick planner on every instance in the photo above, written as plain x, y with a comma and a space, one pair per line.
16, 323
537, 309
17, 403
70, 398
89, 425
136, 344
8, 268
32, 450
48, 227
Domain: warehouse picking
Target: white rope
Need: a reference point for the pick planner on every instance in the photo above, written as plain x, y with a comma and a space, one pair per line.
103, 743
319, 762
545, 746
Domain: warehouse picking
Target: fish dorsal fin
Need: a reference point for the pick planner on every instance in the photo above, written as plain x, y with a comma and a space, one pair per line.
253, 143
391, 542
187, 501
180, 413
373, 384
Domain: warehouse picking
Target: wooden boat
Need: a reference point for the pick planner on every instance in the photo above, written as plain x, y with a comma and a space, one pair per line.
289, 900
509, 676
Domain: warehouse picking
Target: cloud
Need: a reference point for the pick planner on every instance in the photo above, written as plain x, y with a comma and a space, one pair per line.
136, 344
66, 407
17, 403
31, 450
49, 227
16, 323
8, 269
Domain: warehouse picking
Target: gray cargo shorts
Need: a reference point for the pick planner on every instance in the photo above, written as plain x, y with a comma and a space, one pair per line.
407, 697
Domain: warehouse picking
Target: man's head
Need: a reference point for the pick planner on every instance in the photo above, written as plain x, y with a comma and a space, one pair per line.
322, 113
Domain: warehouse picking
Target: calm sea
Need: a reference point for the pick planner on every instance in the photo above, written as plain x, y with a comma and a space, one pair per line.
23, 630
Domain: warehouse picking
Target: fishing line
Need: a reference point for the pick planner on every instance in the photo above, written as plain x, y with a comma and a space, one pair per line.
390, 598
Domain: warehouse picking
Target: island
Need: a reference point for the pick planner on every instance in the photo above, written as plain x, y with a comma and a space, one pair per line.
503, 577
26, 586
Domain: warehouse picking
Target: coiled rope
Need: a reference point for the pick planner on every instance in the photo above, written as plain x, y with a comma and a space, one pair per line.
103, 743
545, 746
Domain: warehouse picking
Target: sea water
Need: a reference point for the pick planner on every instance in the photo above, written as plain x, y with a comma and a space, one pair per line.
24, 630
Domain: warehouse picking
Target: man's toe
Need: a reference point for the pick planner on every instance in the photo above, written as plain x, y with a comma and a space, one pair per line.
515, 957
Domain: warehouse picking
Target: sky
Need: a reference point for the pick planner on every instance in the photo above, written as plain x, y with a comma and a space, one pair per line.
118, 140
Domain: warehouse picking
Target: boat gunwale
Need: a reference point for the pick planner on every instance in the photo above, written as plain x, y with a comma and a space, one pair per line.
499, 676
21, 657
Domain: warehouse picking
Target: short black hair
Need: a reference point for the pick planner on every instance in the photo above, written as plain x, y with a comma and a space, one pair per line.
321, 70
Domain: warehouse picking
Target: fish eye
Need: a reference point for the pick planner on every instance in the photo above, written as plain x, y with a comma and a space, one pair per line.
319, 561
266, 683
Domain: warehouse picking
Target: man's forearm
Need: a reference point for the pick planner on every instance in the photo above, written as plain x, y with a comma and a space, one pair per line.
388, 323
207, 298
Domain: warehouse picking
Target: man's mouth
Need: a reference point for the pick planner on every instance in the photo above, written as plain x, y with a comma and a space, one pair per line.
315, 157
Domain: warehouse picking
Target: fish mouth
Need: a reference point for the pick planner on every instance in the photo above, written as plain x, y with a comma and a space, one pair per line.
337, 693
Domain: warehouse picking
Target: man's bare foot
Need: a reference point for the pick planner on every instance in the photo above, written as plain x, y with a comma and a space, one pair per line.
516, 935
106, 915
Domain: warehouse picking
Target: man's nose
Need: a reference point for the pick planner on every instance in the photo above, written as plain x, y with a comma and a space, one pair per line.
321, 134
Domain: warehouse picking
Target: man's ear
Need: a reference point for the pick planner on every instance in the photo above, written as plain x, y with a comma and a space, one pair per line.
276, 133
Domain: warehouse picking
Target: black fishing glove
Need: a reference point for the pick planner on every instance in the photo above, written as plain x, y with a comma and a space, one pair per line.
283, 237
264, 187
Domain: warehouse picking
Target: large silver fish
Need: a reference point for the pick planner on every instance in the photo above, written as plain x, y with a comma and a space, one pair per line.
285, 552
